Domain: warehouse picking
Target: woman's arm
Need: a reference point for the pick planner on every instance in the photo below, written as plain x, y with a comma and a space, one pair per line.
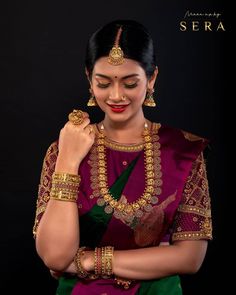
57, 238
180, 258
152, 263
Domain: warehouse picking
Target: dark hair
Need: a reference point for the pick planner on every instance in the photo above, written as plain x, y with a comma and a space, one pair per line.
135, 42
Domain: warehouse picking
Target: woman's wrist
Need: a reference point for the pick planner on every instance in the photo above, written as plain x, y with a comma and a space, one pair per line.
66, 166
94, 263
88, 261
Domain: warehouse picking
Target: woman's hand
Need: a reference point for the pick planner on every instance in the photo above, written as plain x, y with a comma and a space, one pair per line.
75, 141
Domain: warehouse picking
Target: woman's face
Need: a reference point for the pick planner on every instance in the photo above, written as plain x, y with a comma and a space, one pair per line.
120, 90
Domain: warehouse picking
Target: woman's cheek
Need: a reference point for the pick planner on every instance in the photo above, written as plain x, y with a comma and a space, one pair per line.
101, 99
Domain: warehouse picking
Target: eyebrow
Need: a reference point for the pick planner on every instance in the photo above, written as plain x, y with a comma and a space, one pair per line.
123, 78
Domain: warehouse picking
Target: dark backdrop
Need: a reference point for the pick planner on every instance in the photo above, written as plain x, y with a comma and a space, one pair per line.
42, 58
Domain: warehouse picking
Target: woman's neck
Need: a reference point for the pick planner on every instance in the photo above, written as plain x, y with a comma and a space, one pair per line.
128, 132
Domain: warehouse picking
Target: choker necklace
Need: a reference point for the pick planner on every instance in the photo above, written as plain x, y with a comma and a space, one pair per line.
153, 182
112, 141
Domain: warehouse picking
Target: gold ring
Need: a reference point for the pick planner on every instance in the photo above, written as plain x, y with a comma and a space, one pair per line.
76, 117
90, 129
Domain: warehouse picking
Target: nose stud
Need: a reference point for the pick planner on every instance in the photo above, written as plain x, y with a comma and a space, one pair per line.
123, 97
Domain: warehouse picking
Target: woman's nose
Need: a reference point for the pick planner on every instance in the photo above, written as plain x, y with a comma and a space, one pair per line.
115, 93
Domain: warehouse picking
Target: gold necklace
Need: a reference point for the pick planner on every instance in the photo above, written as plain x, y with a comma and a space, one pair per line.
153, 181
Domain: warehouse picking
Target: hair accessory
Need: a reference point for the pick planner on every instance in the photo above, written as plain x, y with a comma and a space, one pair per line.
116, 54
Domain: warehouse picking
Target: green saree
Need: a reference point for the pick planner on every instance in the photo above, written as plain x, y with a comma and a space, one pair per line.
95, 222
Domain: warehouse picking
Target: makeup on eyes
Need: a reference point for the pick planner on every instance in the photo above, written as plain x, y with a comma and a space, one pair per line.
128, 82
131, 83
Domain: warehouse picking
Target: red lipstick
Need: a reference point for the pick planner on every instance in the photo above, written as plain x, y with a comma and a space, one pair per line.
118, 108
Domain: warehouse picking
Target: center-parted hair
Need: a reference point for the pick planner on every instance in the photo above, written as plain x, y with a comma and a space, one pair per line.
135, 42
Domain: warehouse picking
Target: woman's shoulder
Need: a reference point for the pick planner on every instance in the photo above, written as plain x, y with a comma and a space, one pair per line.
174, 132
180, 141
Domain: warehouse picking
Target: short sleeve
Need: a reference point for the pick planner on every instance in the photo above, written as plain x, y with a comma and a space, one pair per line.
45, 183
193, 218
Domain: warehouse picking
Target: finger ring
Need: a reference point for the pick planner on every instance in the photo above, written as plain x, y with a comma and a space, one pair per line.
76, 117
90, 129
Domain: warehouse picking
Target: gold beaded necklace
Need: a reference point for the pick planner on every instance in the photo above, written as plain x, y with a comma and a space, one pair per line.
153, 181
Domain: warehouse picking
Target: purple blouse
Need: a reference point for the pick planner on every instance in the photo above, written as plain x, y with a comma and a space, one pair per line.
182, 210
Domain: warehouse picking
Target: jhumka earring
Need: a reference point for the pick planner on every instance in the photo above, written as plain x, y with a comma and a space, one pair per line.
149, 100
92, 101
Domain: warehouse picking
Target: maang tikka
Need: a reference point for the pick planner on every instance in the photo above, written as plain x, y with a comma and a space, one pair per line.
116, 54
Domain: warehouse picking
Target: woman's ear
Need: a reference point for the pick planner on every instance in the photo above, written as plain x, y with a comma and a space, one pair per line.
152, 80
87, 75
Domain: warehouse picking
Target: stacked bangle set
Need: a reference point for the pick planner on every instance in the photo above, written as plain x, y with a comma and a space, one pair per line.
65, 187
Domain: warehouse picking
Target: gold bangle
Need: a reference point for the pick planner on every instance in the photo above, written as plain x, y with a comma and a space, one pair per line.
81, 272
107, 257
62, 196
65, 187
97, 261
66, 177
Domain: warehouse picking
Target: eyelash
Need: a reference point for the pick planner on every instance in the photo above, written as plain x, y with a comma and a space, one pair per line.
100, 85
129, 86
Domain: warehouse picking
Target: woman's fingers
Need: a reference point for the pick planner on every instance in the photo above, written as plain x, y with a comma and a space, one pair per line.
85, 115
89, 129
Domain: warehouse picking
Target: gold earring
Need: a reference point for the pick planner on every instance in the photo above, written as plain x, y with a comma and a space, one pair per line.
149, 100
92, 101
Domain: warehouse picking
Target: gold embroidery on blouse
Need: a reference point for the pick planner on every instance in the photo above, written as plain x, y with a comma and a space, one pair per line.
190, 136
190, 236
45, 183
41, 209
190, 209
124, 148
128, 147
196, 203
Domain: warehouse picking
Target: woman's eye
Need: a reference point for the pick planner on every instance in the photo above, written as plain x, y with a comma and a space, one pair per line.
133, 85
103, 85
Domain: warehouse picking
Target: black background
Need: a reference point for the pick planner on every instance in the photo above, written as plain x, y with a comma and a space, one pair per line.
42, 58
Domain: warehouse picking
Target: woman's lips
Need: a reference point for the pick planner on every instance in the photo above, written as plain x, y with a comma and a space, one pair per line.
118, 108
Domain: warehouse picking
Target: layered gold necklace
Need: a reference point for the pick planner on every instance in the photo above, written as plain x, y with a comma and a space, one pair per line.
153, 182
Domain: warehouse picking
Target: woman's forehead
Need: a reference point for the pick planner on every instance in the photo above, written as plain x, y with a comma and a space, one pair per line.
128, 68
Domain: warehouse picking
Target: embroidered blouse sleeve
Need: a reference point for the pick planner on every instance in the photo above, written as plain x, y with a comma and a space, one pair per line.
45, 183
193, 218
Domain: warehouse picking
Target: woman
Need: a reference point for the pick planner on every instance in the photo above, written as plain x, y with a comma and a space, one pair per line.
123, 205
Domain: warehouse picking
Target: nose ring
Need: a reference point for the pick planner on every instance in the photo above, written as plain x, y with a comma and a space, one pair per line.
123, 97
